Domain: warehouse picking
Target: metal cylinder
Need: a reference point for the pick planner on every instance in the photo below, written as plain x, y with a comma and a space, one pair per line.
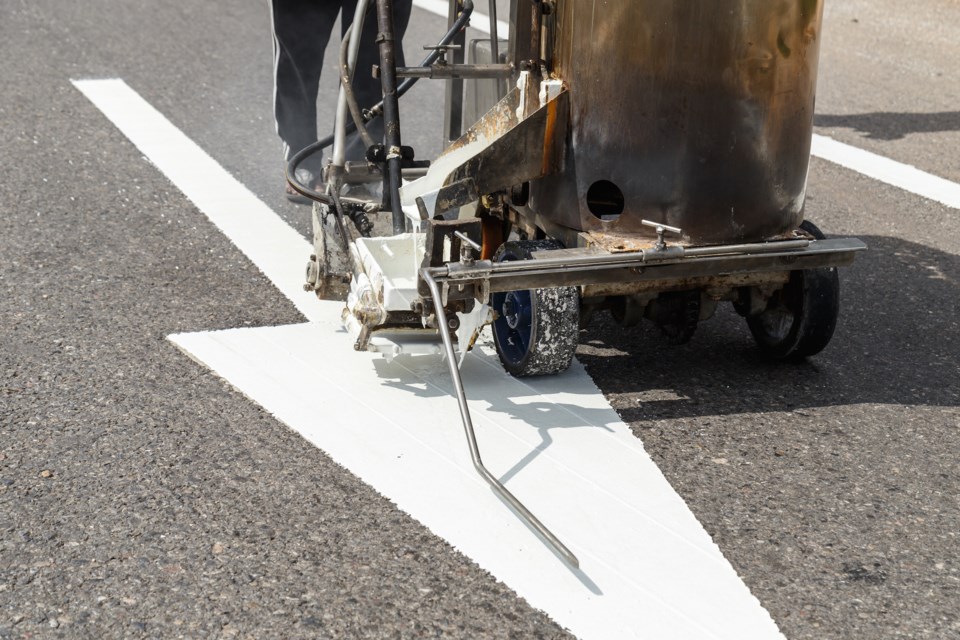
391, 108
693, 113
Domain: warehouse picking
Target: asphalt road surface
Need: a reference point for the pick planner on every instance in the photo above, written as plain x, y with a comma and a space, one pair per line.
140, 496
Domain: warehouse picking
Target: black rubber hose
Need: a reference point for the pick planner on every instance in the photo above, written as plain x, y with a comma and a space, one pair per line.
375, 112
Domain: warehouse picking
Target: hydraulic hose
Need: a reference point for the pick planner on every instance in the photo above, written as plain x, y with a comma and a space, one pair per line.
375, 112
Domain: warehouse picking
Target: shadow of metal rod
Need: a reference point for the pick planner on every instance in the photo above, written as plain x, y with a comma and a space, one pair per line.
471, 436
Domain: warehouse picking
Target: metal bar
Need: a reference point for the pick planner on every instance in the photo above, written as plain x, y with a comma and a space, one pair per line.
339, 153
524, 45
714, 266
757, 247
494, 44
789, 249
465, 238
619, 268
391, 108
471, 436
453, 99
358, 172
454, 71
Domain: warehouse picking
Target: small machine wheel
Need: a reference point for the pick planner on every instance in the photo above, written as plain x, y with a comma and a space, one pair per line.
800, 318
537, 330
677, 313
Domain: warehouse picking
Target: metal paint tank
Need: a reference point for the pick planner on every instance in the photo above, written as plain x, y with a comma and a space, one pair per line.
696, 113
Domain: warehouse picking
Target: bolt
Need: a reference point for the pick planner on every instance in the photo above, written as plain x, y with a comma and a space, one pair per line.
313, 274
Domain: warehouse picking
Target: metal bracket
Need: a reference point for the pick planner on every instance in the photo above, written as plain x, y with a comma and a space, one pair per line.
661, 229
467, 247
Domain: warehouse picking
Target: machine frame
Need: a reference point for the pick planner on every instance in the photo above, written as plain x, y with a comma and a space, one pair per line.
447, 239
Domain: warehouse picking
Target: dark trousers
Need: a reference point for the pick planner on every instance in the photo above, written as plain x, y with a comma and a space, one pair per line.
301, 32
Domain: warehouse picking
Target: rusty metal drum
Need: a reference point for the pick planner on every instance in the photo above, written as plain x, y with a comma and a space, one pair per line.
694, 113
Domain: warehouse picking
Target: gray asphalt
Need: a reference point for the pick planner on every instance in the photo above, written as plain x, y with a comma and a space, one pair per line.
142, 497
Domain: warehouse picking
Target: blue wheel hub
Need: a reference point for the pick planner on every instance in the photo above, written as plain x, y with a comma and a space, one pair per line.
514, 326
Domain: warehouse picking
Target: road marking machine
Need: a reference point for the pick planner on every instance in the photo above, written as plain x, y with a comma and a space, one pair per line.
643, 158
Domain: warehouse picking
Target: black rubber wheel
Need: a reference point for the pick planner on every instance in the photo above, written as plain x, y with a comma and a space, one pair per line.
677, 314
537, 330
800, 318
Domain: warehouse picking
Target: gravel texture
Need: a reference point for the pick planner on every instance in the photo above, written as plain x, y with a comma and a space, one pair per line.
141, 497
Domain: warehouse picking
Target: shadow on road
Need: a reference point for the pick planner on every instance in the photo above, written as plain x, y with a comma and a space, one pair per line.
897, 342
892, 126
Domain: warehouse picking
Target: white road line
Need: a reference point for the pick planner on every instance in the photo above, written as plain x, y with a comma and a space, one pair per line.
270, 243
649, 569
902, 176
478, 21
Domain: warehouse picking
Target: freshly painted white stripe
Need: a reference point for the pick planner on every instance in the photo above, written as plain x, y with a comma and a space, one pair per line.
648, 568
270, 243
478, 21
903, 176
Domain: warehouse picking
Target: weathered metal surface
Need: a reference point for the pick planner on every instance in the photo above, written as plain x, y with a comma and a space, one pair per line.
456, 194
617, 242
489, 71
699, 112
575, 267
525, 31
721, 282
502, 151
330, 267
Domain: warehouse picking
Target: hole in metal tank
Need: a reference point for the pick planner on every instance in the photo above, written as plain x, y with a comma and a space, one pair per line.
605, 200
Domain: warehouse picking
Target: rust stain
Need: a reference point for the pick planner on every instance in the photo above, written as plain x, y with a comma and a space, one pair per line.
619, 241
492, 232
719, 284
548, 141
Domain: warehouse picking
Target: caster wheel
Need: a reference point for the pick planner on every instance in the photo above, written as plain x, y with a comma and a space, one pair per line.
677, 313
800, 318
537, 330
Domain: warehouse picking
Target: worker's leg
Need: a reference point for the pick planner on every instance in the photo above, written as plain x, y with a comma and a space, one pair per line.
301, 31
366, 87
